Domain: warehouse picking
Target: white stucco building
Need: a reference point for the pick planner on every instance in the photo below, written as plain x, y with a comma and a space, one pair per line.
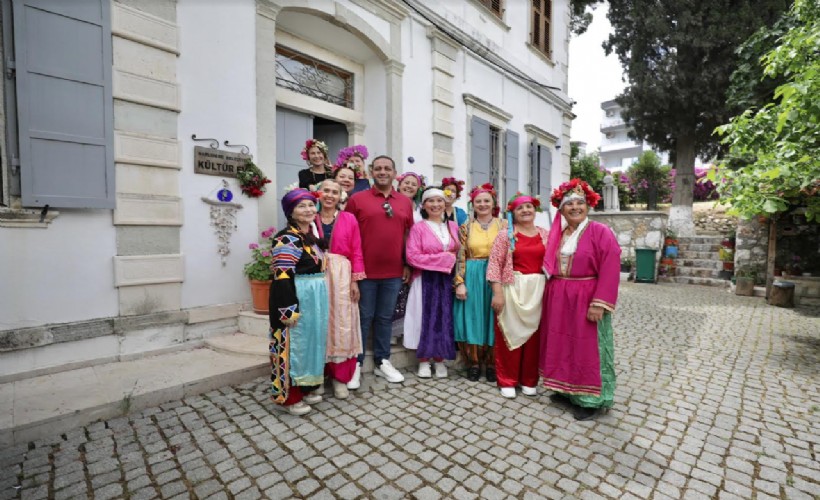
106, 246
618, 151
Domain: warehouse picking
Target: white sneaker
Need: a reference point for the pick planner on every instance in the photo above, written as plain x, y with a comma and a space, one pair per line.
441, 370
340, 390
424, 370
312, 398
319, 390
299, 408
508, 392
528, 391
356, 381
387, 371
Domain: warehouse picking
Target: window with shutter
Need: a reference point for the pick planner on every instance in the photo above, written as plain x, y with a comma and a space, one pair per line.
479, 151
540, 34
510, 165
540, 170
62, 55
493, 5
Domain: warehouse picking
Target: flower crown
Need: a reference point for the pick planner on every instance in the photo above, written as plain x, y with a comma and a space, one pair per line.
313, 189
576, 186
422, 179
358, 173
529, 199
452, 181
310, 143
345, 154
484, 188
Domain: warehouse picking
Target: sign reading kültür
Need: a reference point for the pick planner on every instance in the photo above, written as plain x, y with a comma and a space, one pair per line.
210, 161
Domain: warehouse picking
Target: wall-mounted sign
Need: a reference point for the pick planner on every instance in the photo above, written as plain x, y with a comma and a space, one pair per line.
211, 161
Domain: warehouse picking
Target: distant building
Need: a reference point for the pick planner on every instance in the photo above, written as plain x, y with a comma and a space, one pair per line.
618, 151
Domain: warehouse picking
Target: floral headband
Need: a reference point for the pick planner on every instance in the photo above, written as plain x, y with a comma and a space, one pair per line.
520, 198
314, 143
452, 181
345, 154
489, 189
484, 188
577, 188
422, 180
358, 173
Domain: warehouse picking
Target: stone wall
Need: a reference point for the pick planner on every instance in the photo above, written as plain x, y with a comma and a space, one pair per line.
752, 244
640, 229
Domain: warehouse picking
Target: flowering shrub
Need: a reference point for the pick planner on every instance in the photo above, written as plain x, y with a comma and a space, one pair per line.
259, 268
704, 189
252, 180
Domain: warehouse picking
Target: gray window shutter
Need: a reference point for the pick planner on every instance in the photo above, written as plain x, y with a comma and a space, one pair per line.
510, 165
544, 167
64, 102
534, 172
480, 151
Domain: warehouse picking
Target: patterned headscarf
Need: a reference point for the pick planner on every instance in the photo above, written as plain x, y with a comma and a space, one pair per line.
517, 200
293, 197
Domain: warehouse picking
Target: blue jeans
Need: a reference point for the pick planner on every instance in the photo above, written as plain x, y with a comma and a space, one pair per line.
377, 301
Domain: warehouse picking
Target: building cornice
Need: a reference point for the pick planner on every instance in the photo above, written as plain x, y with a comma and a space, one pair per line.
561, 101
479, 103
267, 9
540, 133
387, 8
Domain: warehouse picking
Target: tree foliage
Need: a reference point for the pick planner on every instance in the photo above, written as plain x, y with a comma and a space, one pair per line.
678, 57
580, 15
782, 138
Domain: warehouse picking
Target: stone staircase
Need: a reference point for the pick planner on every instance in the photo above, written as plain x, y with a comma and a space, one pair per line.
698, 262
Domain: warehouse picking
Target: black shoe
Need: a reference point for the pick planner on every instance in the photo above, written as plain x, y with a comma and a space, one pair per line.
473, 373
581, 414
491, 378
559, 398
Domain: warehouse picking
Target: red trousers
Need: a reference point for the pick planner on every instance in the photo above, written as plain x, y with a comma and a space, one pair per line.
518, 367
342, 371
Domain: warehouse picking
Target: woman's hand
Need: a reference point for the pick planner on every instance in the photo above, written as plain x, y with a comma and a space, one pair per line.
497, 303
595, 313
354, 292
461, 292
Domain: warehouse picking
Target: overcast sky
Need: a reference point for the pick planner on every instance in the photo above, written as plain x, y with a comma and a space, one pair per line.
593, 78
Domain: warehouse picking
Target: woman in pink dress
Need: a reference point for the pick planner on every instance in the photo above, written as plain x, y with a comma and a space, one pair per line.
431, 250
345, 268
583, 262
515, 275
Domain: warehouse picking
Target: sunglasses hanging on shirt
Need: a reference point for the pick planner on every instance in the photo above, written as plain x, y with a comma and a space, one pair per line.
388, 210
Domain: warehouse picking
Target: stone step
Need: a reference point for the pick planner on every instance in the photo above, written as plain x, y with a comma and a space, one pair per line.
702, 263
690, 280
714, 240
691, 254
698, 272
699, 247
51, 404
255, 346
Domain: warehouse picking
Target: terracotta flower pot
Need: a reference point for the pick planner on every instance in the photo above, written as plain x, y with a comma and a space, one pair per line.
260, 292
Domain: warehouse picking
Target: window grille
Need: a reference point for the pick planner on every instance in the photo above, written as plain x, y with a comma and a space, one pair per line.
306, 75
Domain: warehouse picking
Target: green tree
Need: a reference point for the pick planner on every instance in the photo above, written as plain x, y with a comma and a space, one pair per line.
588, 168
581, 14
678, 57
648, 175
782, 138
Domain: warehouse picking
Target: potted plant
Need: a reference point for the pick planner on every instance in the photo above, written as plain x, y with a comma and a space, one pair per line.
745, 279
258, 271
729, 240
626, 265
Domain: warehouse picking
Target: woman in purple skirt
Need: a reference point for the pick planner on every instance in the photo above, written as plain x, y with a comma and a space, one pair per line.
431, 250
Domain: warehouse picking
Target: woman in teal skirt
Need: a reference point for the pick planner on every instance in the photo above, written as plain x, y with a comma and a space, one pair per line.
472, 315
298, 307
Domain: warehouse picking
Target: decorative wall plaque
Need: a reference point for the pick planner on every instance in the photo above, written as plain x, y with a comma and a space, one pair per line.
211, 161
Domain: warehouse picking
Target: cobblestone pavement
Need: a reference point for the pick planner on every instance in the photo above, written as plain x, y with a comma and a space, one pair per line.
717, 398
